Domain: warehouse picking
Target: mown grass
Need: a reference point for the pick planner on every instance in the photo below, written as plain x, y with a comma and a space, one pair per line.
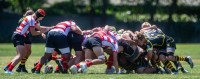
7, 52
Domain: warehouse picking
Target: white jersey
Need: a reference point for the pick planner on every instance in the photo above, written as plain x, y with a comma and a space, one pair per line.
24, 27
64, 27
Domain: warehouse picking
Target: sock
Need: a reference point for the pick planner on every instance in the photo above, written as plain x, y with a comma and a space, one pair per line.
57, 68
180, 58
10, 67
54, 57
78, 65
109, 62
38, 66
158, 62
89, 63
23, 61
168, 64
64, 63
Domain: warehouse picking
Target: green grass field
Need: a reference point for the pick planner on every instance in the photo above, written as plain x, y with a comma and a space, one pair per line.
7, 52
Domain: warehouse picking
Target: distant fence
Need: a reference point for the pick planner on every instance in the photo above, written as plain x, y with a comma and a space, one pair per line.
182, 32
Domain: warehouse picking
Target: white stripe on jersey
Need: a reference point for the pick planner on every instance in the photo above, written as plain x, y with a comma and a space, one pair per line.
64, 26
23, 28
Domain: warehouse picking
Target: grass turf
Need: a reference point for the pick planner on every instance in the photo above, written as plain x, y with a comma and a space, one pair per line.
7, 52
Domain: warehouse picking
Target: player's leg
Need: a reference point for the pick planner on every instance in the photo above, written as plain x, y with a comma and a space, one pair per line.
89, 55
49, 48
22, 67
167, 63
18, 41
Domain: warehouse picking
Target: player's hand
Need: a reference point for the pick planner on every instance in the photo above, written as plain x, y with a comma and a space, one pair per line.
43, 36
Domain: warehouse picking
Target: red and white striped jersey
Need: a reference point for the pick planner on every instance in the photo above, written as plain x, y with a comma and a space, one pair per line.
65, 27
108, 41
24, 27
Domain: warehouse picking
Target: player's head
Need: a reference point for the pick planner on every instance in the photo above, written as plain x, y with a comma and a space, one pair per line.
40, 13
110, 28
140, 39
145, 25
29, 11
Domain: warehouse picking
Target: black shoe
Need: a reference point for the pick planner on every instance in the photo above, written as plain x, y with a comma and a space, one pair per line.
33, 70
24, 70
37, 72
60, 66
189, 61
183, 70
56, 71
65, 72
19, 68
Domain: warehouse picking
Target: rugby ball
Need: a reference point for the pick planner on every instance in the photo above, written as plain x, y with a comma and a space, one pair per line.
48, 69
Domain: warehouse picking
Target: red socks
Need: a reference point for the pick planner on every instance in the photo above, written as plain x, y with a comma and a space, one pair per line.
64, 63
57, 68
89, 63
54, 57
38, 66
109, 62
10, 67
78, 65
9, 64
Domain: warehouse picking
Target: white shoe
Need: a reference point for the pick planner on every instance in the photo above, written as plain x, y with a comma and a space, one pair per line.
73, 69
110, 71
83, 67
190, 62
8, 72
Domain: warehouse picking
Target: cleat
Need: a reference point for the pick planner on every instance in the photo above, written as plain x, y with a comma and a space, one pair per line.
8, 72
24, 70
65, 72
183, 70
161, 70
189, 61
167, 70
110, 71
5, 68
21, 68
37, 72
33, 70
59, 63
56, 71
83, 67
174, 73
18, 68
73, 69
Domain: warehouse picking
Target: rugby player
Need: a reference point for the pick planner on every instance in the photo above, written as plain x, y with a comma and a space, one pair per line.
94, 53
57, 38
27, 25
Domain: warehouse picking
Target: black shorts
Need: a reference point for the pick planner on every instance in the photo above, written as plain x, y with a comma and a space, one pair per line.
57, 50
18, 39
170, 47
128, 50
141, 62
28, 39
92, 42
75, 41
55, 39
124, 62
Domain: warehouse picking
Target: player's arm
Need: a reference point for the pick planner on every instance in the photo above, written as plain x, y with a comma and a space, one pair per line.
43, 29
77, 30
149, 50
147, 28
34, 32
